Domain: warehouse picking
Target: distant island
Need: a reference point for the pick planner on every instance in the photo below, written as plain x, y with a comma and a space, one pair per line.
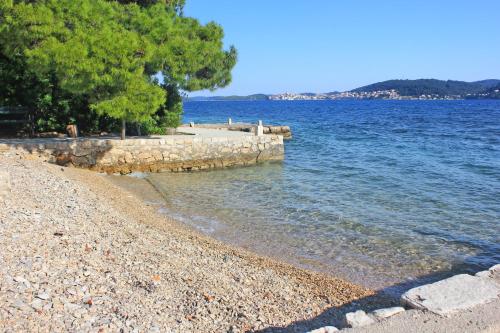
254, 97
421, 89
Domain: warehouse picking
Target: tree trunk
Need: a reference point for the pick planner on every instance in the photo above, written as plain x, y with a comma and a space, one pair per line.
122, 136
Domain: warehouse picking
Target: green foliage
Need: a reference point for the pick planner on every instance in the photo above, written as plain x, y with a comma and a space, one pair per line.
93, 61
137, 102
493, 92
173, 107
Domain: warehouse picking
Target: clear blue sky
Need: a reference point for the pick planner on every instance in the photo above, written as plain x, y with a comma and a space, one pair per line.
327, 45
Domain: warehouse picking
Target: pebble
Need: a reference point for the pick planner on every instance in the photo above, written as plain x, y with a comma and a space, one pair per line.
37, 304
326, 329
45, 296
387, 312
72, 260
20, 305
22, 280
358, 319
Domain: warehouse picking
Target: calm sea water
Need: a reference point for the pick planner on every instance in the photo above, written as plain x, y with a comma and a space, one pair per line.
379, 192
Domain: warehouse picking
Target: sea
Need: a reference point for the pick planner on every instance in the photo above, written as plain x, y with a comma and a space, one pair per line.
384, 193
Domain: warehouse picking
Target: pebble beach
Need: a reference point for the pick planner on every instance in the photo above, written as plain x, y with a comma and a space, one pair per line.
80, 254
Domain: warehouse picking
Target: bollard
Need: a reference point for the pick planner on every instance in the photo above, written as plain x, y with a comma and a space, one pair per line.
72, 131
259, 130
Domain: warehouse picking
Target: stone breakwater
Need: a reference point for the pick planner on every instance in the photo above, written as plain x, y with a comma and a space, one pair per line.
200, 149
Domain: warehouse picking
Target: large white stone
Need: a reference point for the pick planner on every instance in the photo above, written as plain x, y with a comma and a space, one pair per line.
458, 293
387, 312
358, 319
493, 274
483, 274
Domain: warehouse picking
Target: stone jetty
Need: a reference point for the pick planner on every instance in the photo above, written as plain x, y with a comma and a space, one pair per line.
285, 131
190, 149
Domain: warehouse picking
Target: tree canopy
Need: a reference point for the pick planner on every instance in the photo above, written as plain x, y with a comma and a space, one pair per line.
102, 58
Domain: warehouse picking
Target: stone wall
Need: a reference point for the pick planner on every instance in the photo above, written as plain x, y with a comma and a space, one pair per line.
153, 154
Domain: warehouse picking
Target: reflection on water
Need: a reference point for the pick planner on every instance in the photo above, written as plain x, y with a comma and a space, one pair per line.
378, 192
262, 209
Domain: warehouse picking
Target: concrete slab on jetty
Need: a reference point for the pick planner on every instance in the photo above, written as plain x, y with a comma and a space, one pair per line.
285, 131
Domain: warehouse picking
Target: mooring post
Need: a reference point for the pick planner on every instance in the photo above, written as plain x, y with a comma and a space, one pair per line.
260, 129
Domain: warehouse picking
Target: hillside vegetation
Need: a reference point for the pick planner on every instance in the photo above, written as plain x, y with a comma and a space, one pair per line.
431, 87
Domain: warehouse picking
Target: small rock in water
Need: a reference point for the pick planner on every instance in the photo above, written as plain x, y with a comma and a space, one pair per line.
358, 319
388, 312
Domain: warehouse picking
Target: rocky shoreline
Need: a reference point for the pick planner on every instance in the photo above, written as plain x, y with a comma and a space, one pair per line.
80, 254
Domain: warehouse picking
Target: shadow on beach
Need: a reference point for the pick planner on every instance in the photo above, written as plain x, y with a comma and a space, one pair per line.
386, 297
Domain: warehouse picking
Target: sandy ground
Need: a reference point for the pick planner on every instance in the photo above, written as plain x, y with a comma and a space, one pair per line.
80, 254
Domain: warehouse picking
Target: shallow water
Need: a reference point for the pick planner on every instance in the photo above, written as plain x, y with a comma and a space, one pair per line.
379, 192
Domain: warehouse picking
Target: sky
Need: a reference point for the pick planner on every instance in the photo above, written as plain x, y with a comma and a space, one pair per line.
332, 45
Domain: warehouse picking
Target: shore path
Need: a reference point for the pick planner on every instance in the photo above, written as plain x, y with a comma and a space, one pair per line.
80, 254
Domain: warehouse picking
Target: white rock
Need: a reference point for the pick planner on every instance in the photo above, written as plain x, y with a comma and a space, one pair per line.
44, 296
71, 307
37, 304
358, 319
483, 274
326, 329
20, 279
20, 305
495, 268
458, 293
318, 330
387, 312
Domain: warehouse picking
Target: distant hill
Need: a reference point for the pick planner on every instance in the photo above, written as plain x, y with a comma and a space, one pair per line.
487, 84
254, 97
431, 87
490, 93
406, 89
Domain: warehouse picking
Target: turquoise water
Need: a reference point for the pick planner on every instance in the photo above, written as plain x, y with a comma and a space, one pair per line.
379, 192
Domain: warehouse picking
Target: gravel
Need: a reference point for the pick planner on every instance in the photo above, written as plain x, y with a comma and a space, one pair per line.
80, 254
